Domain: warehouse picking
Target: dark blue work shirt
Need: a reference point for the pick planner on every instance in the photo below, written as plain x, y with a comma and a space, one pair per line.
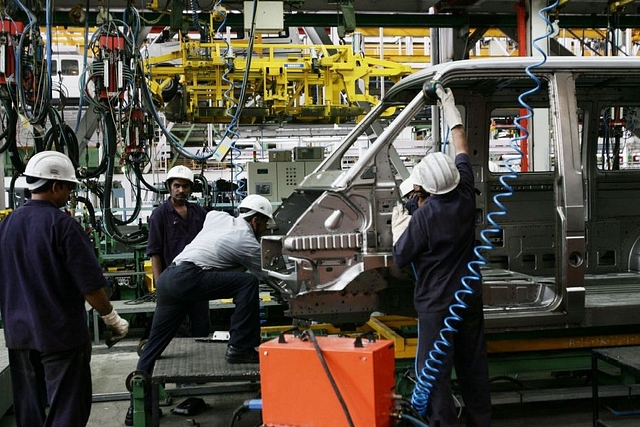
439, 241
47, 265
169, 232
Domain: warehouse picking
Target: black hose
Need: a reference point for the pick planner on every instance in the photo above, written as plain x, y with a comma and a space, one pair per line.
109, 219
12, 190
237, 413
92, 212
205, 189
309, 333
63, 137
8, 135
137, 209
138, 172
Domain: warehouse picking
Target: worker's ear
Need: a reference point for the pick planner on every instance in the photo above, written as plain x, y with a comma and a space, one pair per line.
57, 186
256, 221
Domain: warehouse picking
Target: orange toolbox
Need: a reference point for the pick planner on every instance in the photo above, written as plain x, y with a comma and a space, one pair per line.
296, 390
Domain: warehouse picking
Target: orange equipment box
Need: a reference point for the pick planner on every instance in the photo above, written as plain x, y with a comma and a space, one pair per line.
296, 390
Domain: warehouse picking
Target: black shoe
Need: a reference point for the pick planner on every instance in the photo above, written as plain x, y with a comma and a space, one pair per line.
237, 355
128, 419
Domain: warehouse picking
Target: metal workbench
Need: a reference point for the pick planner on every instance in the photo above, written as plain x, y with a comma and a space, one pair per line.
627, 359
186, 360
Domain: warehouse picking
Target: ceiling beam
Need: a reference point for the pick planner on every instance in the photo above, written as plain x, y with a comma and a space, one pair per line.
385, 19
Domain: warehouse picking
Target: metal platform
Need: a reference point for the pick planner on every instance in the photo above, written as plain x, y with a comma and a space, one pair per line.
627, 359
133, 307
186, 360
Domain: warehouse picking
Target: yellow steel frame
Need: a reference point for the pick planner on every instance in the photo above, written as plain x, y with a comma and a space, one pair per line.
389, 327
5, 213
292, 82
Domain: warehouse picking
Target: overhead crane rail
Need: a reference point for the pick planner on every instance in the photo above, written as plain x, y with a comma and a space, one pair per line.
299, 83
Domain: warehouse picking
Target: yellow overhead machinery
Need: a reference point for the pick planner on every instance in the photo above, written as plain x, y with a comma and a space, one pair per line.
306, 83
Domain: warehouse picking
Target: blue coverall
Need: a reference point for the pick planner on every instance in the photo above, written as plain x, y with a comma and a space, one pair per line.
439, 241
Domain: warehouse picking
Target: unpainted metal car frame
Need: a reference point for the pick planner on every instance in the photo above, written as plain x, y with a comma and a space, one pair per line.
568, 252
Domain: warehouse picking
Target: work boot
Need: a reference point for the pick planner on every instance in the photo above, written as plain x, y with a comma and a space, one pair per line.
128, 419
238, 355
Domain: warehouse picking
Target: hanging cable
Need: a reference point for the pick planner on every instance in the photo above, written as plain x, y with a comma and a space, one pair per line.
173, 141
84, 70
240, 191
235, 107
413, 420
27, 72
427, 375
308, 334
48, 47
230, 135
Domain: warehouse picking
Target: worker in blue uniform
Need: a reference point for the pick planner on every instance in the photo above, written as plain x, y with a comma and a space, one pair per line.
439, 240
214, 266
173, 225
49, 269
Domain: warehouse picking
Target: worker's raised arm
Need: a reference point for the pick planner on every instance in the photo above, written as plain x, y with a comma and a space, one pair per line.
453, 119
459, 140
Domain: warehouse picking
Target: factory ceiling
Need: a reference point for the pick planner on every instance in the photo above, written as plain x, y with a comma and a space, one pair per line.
399, 13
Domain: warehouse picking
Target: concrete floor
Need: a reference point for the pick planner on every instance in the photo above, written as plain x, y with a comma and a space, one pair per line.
110, 368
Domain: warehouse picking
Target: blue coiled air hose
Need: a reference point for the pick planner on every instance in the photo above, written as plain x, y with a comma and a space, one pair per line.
427, 375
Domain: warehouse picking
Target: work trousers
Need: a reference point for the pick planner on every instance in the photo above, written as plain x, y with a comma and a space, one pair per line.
468, 354
198, 319
180, 286
60, 379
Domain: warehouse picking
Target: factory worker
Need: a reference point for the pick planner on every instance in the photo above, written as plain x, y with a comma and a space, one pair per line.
214, 266
439, 241
173, 225
49, 269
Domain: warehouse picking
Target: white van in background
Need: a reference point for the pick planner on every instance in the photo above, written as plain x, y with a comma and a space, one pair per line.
66, 68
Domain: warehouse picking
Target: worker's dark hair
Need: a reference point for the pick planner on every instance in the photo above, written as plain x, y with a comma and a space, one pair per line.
43, 188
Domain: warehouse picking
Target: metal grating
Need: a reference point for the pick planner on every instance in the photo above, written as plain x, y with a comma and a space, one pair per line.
187, 360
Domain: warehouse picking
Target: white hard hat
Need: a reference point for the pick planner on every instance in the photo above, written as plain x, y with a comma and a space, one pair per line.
181, 172
256, 204
437, 173
50, 165
406, 186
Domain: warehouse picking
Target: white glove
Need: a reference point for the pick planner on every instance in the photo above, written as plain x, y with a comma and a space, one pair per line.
399, 221
118, 326
448, 104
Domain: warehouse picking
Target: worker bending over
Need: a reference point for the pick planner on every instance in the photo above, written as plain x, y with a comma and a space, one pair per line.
214, 266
